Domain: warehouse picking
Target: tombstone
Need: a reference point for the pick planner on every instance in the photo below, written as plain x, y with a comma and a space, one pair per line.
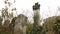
36, 9
20, 24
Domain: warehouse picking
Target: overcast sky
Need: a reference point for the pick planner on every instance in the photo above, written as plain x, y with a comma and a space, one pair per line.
48, 8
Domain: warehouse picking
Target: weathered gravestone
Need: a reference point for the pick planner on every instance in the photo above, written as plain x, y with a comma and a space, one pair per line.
20, 24
36, 9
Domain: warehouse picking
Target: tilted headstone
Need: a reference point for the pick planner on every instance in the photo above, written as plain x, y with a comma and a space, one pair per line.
20, 25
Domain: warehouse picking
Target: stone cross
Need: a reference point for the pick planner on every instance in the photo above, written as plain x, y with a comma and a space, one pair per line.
36, 6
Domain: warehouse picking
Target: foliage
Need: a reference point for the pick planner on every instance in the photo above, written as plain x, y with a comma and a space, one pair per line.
57, 26
6, 15
29, 28
37, 30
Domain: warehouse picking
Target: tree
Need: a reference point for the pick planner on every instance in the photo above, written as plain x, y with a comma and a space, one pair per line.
5, 11
6, 15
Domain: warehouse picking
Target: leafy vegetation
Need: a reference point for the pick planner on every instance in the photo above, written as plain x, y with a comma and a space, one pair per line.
30, 29
57, 26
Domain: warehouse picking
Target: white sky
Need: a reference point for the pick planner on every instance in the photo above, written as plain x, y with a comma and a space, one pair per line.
26, 6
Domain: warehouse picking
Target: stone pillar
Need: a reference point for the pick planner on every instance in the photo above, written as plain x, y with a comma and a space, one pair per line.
36, 9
